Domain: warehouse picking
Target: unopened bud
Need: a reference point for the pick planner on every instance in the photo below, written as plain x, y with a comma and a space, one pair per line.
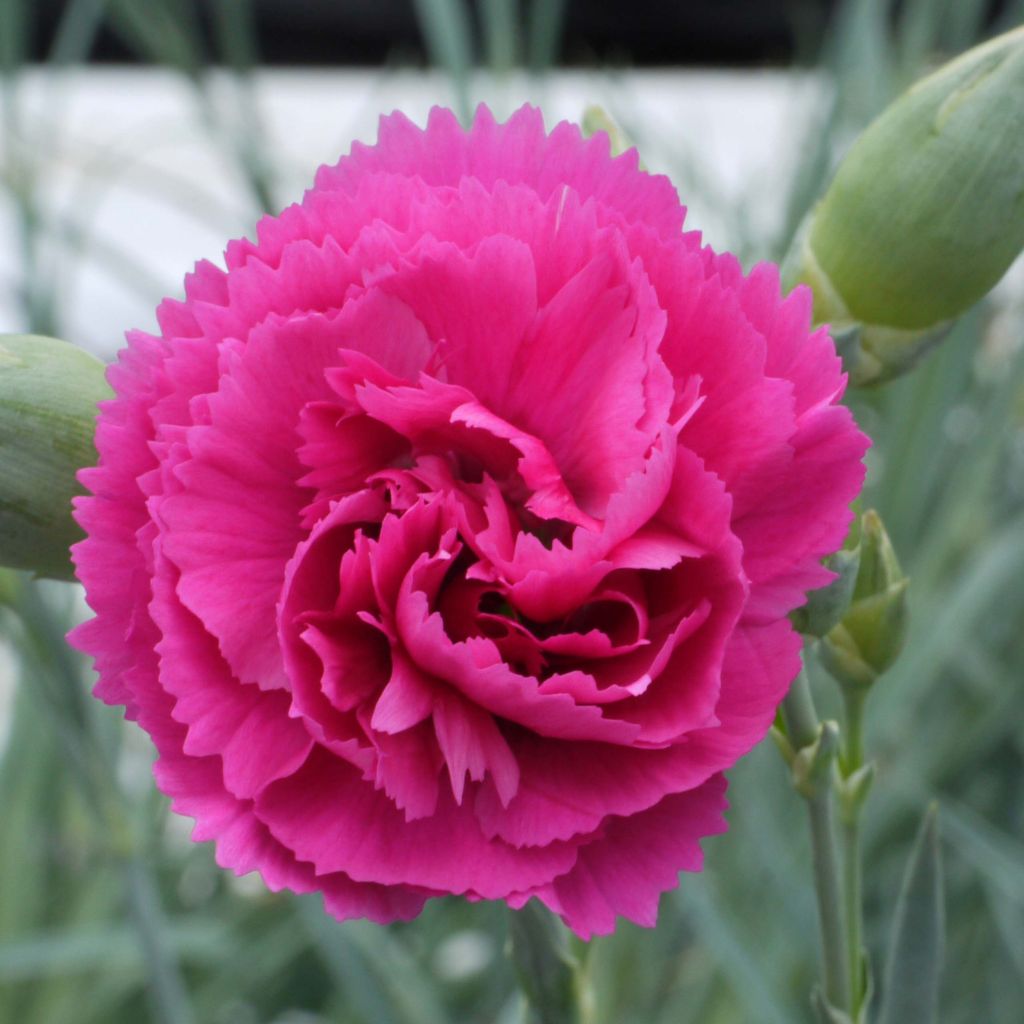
826, 607
48, 396
871, 634
925, 213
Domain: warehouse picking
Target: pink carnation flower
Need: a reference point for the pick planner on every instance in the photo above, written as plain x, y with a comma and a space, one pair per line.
444, 542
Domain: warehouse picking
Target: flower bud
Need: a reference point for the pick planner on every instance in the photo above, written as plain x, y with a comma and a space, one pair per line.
826, 607
924, 215
871, 634
48, 395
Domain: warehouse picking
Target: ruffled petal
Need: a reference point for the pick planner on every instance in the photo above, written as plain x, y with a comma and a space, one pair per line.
626, 870
519, 152
330, 817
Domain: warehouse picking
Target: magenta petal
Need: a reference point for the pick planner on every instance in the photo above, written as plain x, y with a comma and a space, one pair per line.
475, 668
248, 728
795, 525
568, 789
234, 522
355, 658
760, 663
407, 769
406, 700
338, 822
109, 562
517, 151
546, 583
477, 307
589, 374
625, 871
473, 745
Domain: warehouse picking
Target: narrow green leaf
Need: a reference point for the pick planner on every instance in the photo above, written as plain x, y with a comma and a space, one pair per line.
996, 855
15, 21
234, 26
501, 33
915, 958
160, 31
750, 978
546, 24
370, 968
76, 32
115, 948
447, 32
167, 992
57, 686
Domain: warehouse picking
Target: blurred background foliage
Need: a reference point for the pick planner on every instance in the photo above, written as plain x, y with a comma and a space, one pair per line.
109, 914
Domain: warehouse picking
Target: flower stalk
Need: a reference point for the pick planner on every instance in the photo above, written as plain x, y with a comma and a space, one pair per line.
551, 973
814, 746
854, 784
857, 626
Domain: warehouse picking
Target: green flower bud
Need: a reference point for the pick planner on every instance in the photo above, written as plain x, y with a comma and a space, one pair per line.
48, 396
826, 607
871, 634
925, 213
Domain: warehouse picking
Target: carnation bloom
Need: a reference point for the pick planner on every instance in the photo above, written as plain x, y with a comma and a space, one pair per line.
445, 541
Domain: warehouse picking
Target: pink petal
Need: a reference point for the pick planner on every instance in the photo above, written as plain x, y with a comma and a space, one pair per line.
406, 700
517, 151
248, 728
407, 769
474, 667
234, 522
473, 745
800, 520
330, 817
625, 871
568, 789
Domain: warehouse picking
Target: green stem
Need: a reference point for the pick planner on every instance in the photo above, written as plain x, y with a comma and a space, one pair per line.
853, 746
803, 726
853, 902
853, 761
550, 970
830, 907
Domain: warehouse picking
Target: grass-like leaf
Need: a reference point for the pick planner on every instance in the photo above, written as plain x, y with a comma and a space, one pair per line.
914, 968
